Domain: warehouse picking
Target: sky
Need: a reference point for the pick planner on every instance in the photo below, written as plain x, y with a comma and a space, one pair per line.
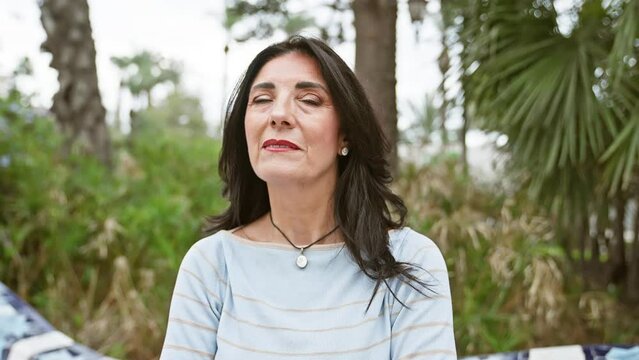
190, 32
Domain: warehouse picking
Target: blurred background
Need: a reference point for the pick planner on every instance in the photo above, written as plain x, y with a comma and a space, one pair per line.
514, 124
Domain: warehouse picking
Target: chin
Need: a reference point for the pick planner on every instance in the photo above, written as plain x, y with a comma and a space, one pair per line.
280, 174
297, 175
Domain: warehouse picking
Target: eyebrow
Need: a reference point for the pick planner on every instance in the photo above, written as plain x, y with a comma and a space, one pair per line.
299, 85
264, 85
309, 84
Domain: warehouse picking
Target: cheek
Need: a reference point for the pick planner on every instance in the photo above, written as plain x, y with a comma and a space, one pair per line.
251, 133
332, 135
253, 125
327, 138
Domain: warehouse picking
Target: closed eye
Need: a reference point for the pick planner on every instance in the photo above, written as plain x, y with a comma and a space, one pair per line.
311, 100
261, 100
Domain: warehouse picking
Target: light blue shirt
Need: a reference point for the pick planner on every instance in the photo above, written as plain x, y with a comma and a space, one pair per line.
241, 299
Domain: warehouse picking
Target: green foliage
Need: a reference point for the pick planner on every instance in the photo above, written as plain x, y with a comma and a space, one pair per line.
427, 123
512, 285
551, 91
97, 251
567, 102
144, 71
260, 19
179, 112
269, 16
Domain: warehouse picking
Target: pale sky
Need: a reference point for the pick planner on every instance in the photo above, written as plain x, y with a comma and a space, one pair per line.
188, 31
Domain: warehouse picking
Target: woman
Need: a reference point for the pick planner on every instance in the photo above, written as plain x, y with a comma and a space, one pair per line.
310, 260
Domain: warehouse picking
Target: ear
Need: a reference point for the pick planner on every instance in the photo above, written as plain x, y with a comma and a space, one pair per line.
342, 142
343, 146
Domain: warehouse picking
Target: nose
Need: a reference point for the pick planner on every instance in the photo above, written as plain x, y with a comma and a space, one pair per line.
281, 114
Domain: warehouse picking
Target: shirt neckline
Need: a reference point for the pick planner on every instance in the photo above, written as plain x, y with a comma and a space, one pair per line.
281, 246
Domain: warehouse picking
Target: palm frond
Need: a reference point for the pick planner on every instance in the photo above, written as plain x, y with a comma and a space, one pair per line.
626, 29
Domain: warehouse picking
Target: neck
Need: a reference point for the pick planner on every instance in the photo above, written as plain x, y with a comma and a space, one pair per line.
303, 213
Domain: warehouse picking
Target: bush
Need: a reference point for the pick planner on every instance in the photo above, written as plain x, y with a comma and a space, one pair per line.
512, 285
95, 250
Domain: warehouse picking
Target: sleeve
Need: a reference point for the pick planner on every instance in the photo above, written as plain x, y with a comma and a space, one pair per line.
196, 307
423, 329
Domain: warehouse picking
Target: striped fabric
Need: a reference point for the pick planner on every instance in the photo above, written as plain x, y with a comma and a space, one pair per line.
239, 299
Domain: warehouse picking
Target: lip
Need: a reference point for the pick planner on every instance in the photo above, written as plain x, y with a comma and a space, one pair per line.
276, 145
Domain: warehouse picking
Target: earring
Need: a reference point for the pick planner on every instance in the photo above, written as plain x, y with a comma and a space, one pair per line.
344, 151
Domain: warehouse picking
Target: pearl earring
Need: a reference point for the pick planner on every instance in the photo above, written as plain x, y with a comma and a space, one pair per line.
344, 151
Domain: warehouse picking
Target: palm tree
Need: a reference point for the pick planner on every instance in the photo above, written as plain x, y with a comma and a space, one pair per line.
144, 71
77, 105
141, 73
568, 101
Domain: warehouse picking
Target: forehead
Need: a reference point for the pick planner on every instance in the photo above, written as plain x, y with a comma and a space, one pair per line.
291, 67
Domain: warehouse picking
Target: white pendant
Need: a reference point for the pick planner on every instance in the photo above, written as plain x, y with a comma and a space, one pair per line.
301, 261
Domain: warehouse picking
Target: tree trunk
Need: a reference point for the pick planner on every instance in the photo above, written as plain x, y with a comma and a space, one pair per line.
462, 139
618, 245
117, 123
444, 66
375, 22
77, 105
633, 273
632, 294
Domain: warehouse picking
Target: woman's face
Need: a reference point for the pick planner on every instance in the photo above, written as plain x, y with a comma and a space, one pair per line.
292, 127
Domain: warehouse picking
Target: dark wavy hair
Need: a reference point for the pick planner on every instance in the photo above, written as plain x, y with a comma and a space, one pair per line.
364, 205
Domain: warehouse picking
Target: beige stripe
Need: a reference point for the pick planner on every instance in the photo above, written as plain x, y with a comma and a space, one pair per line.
427, 353
184, 348
304, 310
394, 302
427, 247
325, 353
427, 298
258, 301
430, 273
278, 353
201, 282
191, 299
435, 270
192, 323
217, 273
298, 310
336, 307
421, 326
345, 327
270, 327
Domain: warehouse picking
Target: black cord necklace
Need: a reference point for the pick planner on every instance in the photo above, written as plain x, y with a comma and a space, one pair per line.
301, 261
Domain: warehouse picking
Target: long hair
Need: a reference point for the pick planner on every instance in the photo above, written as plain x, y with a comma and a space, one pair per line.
364, 206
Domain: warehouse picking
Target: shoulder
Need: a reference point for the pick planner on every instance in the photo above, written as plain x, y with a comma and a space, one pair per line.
208, 253
422, 315
212, 242
407, 245
426, 262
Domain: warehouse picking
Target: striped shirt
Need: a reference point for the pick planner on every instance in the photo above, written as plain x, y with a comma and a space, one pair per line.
240, 299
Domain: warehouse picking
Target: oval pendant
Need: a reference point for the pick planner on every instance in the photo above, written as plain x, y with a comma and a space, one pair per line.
301, 261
